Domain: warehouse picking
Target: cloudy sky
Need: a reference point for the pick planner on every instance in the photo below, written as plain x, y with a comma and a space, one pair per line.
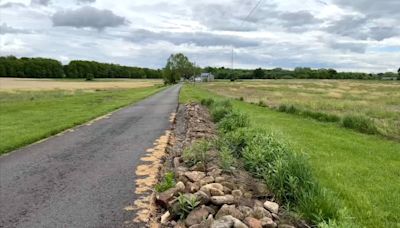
354, 35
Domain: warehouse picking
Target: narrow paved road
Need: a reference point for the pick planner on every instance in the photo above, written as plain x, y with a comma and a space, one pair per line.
83, 178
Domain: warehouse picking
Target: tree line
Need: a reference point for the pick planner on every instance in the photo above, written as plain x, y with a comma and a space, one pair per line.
11, 66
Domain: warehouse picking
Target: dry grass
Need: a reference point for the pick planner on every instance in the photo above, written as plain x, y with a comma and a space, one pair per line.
21, 84
379, 100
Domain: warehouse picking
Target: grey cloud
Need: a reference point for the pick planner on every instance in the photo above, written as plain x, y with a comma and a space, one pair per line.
298, 19
85, 1
87, 16
381, 33
348, 46
373, 8
4, 29
40, 2
198, 38
12, 4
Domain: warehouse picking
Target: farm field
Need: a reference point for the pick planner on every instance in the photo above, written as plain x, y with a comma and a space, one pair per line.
32, 84
32, 109
362, 170
377, 100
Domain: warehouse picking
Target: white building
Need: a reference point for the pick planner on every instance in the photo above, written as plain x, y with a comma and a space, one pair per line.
204, 77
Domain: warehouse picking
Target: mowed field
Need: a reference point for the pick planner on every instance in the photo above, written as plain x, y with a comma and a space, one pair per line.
378, 100
33, 109
361, 170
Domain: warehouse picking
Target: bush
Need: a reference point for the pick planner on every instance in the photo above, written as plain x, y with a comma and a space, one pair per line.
167, 183
220, 109
321, 116
241, 99
287, 108
226, 158
235, 141
207, 102
262, 104
360, 123
186, 204
196, 153
233, 121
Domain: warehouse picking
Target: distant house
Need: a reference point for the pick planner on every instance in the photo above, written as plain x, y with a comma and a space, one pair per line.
204, 77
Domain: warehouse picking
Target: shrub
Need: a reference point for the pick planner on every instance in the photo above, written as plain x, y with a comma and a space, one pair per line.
262, 104
167, 183
218, 113
196, 153
321, 116
360, 123
235, 141
186, 203
241, 99
226, 158
287, 108
233, 121
207, 102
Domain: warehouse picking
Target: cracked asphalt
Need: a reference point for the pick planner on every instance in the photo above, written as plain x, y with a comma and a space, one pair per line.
83, 177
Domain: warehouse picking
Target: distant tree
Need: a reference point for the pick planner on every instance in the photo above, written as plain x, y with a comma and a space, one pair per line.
398, 74
258, 73
178, 66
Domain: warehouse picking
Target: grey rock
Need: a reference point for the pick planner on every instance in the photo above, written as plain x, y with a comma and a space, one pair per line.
226, 199
271, 206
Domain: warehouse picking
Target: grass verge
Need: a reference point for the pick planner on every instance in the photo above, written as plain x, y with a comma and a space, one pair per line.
362, 170
26, 117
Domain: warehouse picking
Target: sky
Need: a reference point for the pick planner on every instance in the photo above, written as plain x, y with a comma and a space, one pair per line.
348, 35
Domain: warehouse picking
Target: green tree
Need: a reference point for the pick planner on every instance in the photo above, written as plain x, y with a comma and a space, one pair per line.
258, 73
178, 66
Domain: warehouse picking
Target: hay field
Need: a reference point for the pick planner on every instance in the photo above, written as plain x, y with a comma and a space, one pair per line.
378, 100
31, 84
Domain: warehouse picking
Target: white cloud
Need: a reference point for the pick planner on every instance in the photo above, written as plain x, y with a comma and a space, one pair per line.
346, 35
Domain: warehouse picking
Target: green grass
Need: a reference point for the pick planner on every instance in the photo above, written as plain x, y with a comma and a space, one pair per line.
363, 170
26, 117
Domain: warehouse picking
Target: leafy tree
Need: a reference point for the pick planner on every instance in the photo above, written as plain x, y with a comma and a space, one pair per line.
258, 73
178, 66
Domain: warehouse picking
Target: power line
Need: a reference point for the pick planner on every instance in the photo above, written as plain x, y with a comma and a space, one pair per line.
243, 21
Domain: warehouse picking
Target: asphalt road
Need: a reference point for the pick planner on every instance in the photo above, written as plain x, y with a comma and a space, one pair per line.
83, 178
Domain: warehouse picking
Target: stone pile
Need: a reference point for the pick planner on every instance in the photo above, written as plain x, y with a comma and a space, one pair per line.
225, 199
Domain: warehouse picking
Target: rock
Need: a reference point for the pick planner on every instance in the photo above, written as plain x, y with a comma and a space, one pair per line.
176, 162
180, 186
275, 216
163, 198
195, 175
199, 166
227, 190
219, 200
246, 211
196, 216
227, 222
204, 224
202, 197
237, 193
165, 217
228, 184
215, 172
216, 192
206, 180
180, 225
271, 206
253, 223
192, 187
261, 189
260, 212
285, 226
219, 179
229, 210
268, 223
206, 188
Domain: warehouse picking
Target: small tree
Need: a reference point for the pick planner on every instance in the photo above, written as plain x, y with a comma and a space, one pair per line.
258, 73
178, 66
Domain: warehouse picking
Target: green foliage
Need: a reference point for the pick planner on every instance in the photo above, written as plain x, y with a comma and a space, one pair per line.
235, 141
325, 117
241, 99
287, 108
258, 73
178, 66
232, 121
186, 204
207, 102
197, 153
262, 104
167, 183
11, 66
359, 123
226, 159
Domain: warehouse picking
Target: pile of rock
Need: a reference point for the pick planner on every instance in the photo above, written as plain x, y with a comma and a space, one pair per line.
223, 199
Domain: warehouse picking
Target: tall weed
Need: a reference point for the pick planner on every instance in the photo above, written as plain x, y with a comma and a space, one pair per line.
360, 123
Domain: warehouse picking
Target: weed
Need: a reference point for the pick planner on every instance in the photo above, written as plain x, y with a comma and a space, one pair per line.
320, 116
207, 102
262, 104
235, 141
197, 153
218, 113
233, 121
186, 204
241, 99
226, 158
167, 183
359, 123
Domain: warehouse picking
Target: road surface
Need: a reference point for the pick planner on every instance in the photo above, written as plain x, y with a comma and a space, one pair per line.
84, 177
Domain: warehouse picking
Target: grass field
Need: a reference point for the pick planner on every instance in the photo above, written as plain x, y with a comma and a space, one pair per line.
363, 170
28, 116
378, 100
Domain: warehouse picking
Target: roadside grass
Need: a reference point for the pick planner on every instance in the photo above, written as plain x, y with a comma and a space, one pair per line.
325, 100
362, 170
28, 116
